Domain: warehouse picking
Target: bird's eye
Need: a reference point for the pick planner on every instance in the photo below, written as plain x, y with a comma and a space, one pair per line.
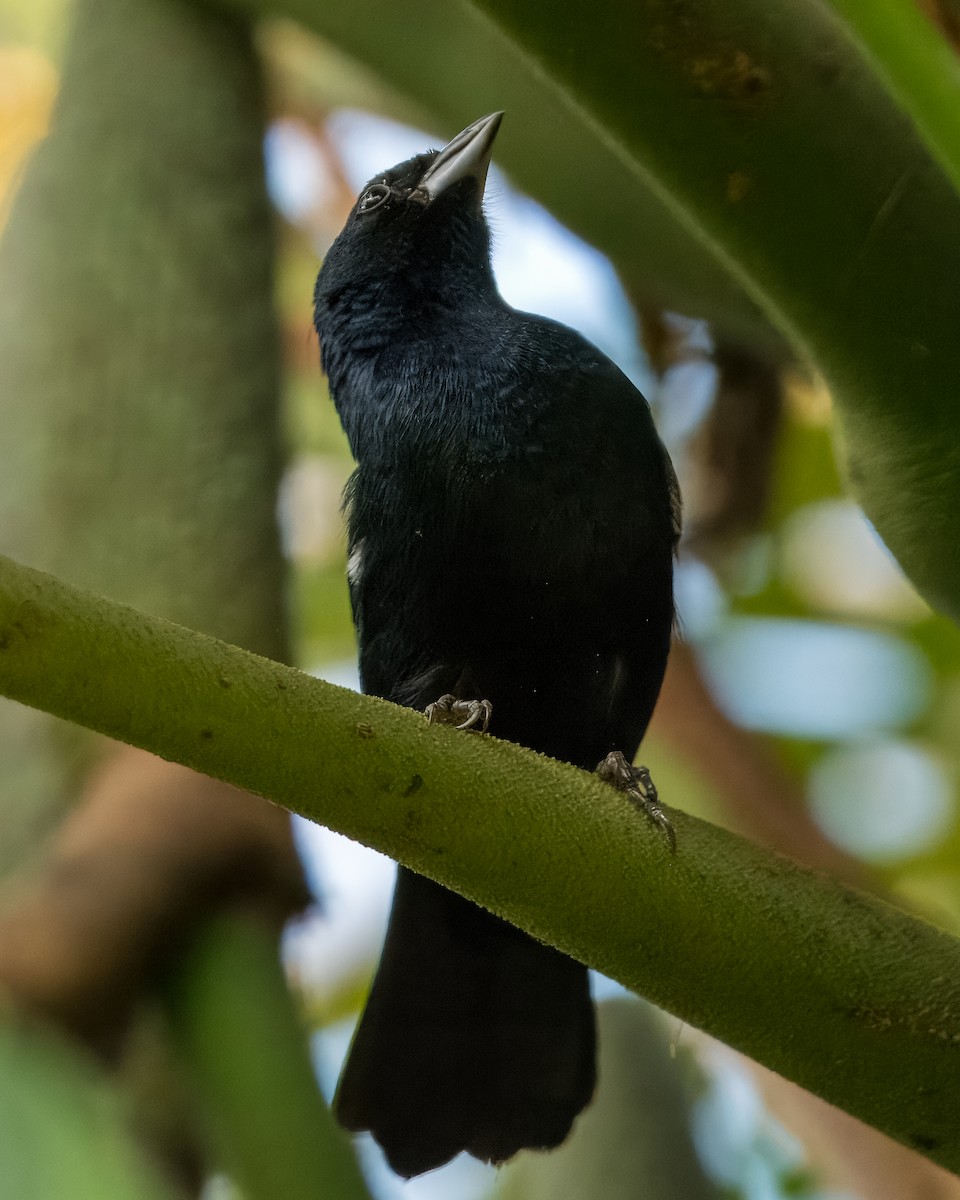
373, 197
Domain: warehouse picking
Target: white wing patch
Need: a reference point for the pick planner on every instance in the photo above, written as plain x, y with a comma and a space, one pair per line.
355, 564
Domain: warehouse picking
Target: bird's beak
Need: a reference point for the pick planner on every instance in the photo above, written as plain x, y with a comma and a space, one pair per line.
468, 155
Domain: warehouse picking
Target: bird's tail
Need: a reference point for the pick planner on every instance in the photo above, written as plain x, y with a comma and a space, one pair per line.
475, 1037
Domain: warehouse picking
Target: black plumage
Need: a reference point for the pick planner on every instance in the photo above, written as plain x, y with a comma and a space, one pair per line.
512, 522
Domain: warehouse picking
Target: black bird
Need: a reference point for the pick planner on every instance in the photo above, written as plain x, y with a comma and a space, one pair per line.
512, 522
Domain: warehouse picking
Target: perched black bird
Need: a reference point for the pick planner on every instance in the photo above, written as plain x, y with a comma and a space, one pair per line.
512, 523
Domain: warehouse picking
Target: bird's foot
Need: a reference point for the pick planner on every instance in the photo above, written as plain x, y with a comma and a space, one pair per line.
462, 714
637, 785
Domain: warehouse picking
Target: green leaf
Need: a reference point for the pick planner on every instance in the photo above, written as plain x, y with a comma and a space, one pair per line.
771, 136
734, 156
237, 1027
920, 67
62, 1133
458, 65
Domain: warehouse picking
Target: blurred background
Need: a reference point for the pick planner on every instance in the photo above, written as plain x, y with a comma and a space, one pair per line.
813, 701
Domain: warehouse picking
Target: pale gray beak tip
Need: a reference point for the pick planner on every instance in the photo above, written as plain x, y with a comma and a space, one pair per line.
466, 155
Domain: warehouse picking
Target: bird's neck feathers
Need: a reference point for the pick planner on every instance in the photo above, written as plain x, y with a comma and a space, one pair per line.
372, 298
393, 316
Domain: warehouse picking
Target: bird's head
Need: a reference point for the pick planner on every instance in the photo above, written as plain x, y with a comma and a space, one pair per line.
416, 234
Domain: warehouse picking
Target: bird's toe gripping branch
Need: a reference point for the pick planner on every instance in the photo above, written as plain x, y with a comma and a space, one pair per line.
462, 714
638, 786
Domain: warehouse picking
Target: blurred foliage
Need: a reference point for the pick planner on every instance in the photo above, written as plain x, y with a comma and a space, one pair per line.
806, 472
276, 1135
873, 306
637, 1128
852, 273
38, 23
27, 85
63, 1132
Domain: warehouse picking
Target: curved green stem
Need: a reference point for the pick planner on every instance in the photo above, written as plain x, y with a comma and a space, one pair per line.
836, 990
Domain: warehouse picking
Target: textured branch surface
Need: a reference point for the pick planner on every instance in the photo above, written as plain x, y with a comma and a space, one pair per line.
842, 993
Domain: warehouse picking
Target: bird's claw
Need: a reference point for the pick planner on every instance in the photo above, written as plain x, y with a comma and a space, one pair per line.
462, 714
637, 784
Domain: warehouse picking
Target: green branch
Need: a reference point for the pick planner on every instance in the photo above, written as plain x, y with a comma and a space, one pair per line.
842, 993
